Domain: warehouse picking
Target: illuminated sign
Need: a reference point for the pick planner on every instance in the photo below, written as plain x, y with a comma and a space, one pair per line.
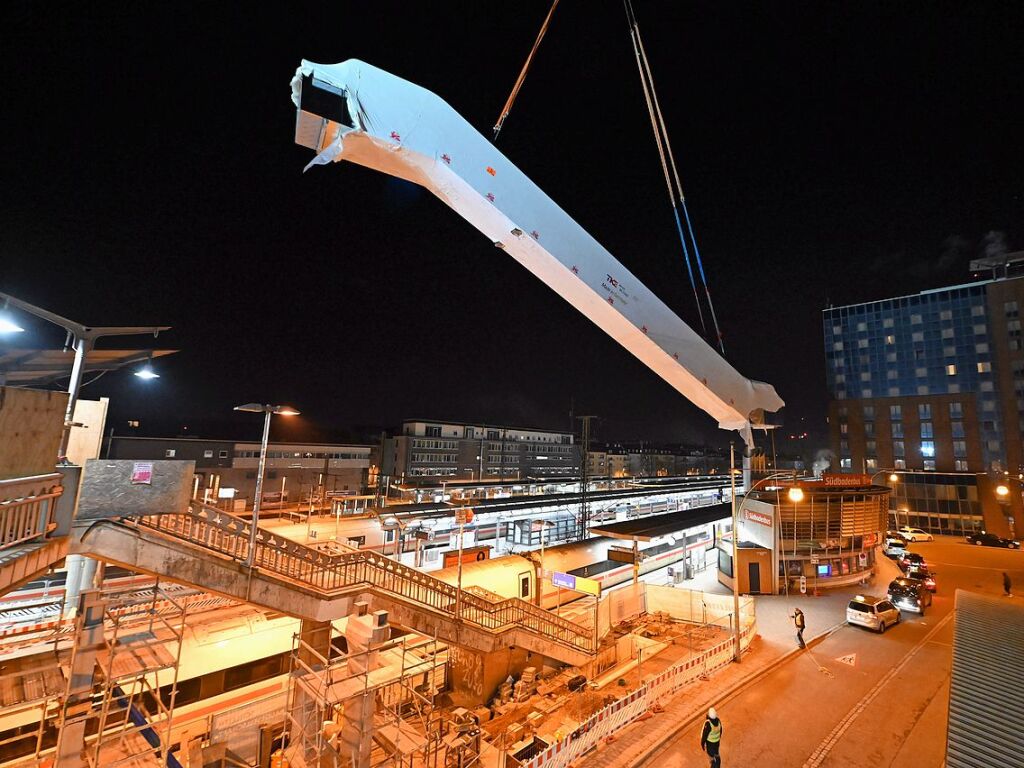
845, 481
577, 583
759, 517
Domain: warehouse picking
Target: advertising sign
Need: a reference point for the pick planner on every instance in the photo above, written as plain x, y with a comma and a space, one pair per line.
845, 481
577, 583
759, 517
142, 473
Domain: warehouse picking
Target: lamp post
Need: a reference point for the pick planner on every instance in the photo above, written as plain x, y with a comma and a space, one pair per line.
795, 495
268, 411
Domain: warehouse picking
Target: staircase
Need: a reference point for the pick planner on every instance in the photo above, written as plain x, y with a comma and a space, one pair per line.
207, 548
29, 540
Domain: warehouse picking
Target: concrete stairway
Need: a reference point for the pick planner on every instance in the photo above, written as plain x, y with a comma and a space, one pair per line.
207, 548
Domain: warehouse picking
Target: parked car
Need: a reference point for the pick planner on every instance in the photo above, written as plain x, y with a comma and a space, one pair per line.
911, 560
924, 575
877, 613
915, 534
911, 594
894, 547
991, 540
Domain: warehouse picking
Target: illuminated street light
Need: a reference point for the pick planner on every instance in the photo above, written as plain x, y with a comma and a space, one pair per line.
796, 495
268, 410
1002, 491
146, 372
7, 325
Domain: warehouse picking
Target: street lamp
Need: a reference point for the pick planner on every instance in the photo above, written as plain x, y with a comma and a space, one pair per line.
83, 338
268, 410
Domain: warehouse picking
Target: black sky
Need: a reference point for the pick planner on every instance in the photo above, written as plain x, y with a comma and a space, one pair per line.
830, 153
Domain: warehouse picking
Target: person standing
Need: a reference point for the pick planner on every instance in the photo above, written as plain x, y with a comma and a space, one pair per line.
1006, 585
798, 620
711, 738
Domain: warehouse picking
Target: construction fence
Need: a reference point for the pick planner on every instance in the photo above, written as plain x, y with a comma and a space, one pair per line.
689, 605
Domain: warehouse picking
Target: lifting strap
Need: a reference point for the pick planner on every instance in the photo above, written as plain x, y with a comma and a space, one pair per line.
522, 75
667, 161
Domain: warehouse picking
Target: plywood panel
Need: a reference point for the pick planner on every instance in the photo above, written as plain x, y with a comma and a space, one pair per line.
31, 421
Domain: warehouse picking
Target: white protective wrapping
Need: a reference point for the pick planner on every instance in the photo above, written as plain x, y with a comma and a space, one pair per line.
406, 131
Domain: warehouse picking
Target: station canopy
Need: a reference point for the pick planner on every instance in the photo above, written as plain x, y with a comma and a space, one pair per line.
41, 367
648, 528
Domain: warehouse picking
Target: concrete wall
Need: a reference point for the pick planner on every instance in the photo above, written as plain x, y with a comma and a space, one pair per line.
108, 490
31, 422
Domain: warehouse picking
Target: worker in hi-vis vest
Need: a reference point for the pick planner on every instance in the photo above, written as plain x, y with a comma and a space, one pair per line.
711, 737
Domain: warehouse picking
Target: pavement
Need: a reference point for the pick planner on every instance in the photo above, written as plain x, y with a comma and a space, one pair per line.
774, 647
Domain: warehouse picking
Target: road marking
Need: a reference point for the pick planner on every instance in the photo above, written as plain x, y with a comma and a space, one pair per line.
819, 754
975, 567
850, 658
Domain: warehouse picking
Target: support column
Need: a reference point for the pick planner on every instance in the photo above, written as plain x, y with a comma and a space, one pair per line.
307, 712
78, 699
363, 632
81, 576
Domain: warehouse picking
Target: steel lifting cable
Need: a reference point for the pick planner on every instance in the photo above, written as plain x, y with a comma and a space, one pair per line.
522, 75
661, 135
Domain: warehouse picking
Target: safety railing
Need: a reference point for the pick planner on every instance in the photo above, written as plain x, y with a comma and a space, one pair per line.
335, 572
27, 508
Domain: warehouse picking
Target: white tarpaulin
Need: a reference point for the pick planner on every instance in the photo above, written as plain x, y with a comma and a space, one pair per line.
353, 111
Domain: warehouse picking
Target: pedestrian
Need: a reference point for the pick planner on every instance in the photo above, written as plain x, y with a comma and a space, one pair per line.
711, 738
798, 620
1006, 585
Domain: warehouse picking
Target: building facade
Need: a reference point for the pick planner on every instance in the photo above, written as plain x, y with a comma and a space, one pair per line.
294, 471
932, 383
474, 452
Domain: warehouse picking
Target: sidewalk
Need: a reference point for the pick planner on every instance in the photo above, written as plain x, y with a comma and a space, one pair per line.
775, 644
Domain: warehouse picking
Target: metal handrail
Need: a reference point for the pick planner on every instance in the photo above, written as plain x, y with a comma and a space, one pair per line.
330, 573
27, 507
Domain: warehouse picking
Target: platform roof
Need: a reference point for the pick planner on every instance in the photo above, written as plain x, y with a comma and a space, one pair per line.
38, 367
647, 528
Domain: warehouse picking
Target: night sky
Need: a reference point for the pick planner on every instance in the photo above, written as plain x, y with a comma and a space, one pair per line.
831, 153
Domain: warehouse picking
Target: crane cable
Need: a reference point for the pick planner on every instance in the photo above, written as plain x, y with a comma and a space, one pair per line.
522, 75
665, 149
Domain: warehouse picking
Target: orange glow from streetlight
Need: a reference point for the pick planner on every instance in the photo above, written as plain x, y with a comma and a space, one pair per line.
796, 495
1002, 491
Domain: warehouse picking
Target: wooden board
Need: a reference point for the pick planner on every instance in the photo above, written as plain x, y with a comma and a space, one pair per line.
31, 422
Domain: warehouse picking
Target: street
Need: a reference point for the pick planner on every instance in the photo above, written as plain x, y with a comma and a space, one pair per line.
858, 698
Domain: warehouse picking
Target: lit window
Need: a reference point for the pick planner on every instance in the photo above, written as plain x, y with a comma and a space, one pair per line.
207, 454
837, 346
890, 357
915, 319
927, 448
899, 464
871, 464
960, 465
840, 378
980, 329
837, 330
921, 372
946, 315
929, 465
846, 463
890, 339
977, 311
865, 376
862, 343
984, 367
844, 428
887, 322
862, 326
947, 333
169, 453
951, 370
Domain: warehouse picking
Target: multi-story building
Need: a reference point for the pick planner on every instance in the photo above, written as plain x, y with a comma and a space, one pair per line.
293, 471
464, 451
932, 383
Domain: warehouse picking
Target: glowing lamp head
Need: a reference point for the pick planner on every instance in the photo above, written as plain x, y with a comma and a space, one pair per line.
1002, 491
796, 495
147, 373
7, 325
894, 478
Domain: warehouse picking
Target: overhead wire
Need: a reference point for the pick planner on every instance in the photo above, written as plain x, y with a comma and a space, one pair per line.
522, 75
668, 162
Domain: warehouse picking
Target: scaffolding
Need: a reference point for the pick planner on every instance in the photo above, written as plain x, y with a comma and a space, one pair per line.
36, 687
406, 722
130, 712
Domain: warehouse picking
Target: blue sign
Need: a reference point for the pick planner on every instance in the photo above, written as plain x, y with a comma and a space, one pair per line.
563, 580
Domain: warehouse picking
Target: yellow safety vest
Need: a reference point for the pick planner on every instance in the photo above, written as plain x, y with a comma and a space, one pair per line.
715, 734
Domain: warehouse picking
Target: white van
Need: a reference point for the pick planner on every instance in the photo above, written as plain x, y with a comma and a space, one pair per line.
877, 613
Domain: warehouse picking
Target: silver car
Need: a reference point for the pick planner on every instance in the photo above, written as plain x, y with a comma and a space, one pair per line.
877, 613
